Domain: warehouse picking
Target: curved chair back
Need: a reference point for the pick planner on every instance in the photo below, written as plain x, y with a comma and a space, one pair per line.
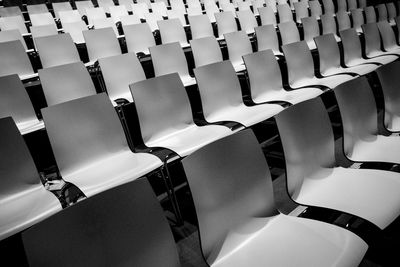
372, 38
342, 5
328, 24
14, 59
138, 38
13, 22
57, 50
247, 20
119, 72
343, 20
301, 9
267, 38
12, 35
315, 8
230, 183
267, 15
284, 13
162, 105
42, 19
362, 3
329, 8
370, 14
225, 22
382, 12
171, 30
94, 13
42, 31
388, 36
75, 29
310, 28
117, 12
358, 111
10, 11
66, 82
357, 17
99, 231
351, 4
140, 9
82, 5
238, 44
391, 11
177, 14
289, 32
34, 8
205, 56
200, 26
312, 147
351, 46
328, 51
102, 23
129, 20
69, 16
101, 43
299, 61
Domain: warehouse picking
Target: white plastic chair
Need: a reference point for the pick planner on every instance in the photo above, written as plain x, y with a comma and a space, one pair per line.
357, 17
200, 26
267, 38
59, 7
117, 12
315, 8
370, 15
301, 9
36, 9
14, 60
12, 23
138, 38
247, 20
82, 5
75, 29
140, 10
207, 56
311, 30
267, 16
69, 16
101, 43
225, 22
177, 14
159, 8
94, 13
102, 23
12, 35
289, 32
152, 19
343, 20
106, 5
329, 25
171, 30
238, 44
130, 20
42, 19
285, 13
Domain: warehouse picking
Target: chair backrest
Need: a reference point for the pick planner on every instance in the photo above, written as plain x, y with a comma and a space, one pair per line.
140, 9
14, 59
312, 146
42, 31
358, 111
164, 95
247, 20
267, 16
315, 8
370, 15
98, 230
263, 72
57, 50
127, 4
105, 4
193, 4
205, 56
382, 12
343, 20
351, 4
101, 43
171, 30
129, 20
159, 8
83, 131
66, 82
357, 18
328, 24
12, 23
75, 29
391, 11
351, 46
194, 11
285, 13
93, 13
226, 23
301, 9
82, 5
389, 79
238, 44
37, 9
16, 163
244, 5
10, 11
289, 32
119, 72
328, 6
117, 12
200, 26
256, 5
102, 23
211, 10
310, 28
372, 38
14, 100
178, 5
328, 51
387, 34
138, 38
146, 2
177, 14
272, 5
61, 6
169, 58
234, 174
267, 38
219, 87
69, 16
299, 61
151, 19
341, 5
12, 35
42, 19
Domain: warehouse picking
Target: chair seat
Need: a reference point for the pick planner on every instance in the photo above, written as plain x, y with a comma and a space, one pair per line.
293, 96
393, 124
362, 69
30, 126
322, 190
188, 80
112, 171
187, 140
245, 115
361, 61
383, 57
377, 148
330, 81
307, 243
24, 209
239, 67
28, 76
311, 45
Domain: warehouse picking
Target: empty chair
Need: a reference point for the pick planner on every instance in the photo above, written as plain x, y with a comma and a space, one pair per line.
66, 82
285, 13
151, 19
207, 56
36, 9
228, 7
200, 26
42, 19
391, 12
118, 73
238, 44
90, 146
315, 8
389, 79
127, 4
140, 10
300, 67
265, 81
42, 31
14, 60
177, 14
357, 18
221, 96
388, 37
343, 20
165, 116
328, 6
382, 12
247, 21
12, 23
193, 4
75, 29
139, 38
311, 30
129, 20
267, 38
69, 16
178, 5
102, 23
256, 5
106, 5
342, 6
244, 5
370, 15
101, 43
25, 201
351, 4
211, 9
95, 13
267, 16
361, 139
57, 50
243, 227
225, 22
329, 25
329, 58
117, 12
81, 6
12, 35
15, 102
159, 8
301, 9
171, 31
59, 7
373, 45
169, 58
271, 4
362, 3
10, 11
191, 11
313, 179
289, 32
147, 234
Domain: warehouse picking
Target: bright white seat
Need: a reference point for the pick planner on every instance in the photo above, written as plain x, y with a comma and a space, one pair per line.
37, 8
101, 43
95, 13
171, 30
117, 12
247, 20
138, 38
12, 23
60, 7
130, 20
200, 26
42, 19
106, 5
